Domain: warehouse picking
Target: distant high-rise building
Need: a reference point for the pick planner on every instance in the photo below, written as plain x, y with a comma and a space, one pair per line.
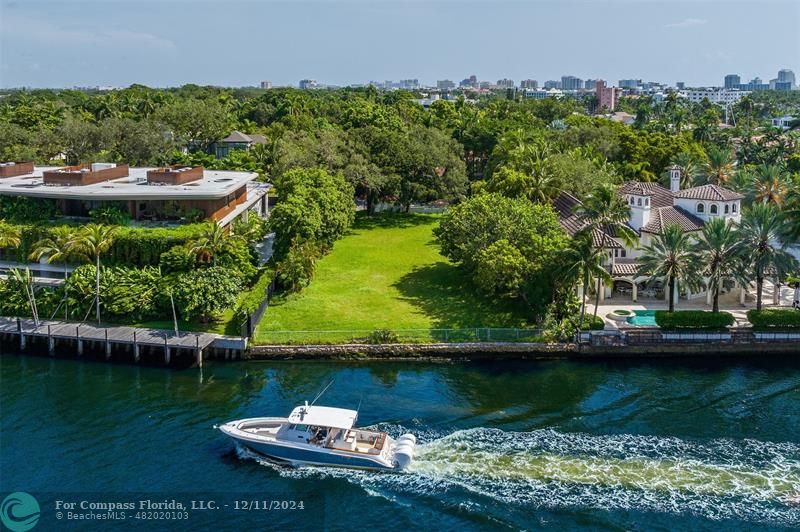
630, 83
265, 84
505, 83
786, 76
308, 84
590, 84
552, 84
732, 81
445, 84
571, 83
680, 85
606, 96
409, 84
528, 84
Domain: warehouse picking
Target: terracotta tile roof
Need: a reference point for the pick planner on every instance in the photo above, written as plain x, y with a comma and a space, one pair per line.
709, 192
565, 205
660, 218
625, 268
659, 196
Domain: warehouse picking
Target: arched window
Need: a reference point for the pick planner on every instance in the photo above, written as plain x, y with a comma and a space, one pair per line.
639, 202
701, 208
632, 200
734, 207
714, 209
647, 202
726, 208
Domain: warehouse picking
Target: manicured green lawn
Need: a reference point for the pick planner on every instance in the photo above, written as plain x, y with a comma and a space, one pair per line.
386, 274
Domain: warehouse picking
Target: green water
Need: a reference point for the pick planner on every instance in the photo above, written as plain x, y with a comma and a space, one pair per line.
668, 445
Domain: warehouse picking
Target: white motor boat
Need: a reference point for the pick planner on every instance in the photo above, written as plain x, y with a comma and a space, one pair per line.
322, 436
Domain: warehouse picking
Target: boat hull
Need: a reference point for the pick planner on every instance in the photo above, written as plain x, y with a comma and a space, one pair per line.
306, 455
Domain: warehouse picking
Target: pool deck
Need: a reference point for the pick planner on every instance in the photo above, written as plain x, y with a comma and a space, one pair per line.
738, 310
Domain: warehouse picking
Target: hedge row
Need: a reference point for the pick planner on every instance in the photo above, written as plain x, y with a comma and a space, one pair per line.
133, 246
693, 319
774, 318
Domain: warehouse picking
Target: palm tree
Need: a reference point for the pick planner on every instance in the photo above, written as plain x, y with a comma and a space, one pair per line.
10, 235
761, 231
719, 251
25, 279
214, 240
606, 211
58, 247
770, 184
91, 242
586, 262
671, 258
688, 167
719, 166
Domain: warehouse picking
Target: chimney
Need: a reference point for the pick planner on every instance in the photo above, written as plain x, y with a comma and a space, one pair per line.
675, 178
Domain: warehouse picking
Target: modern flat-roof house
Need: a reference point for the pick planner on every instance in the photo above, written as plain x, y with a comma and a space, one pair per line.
652, 208
169, 194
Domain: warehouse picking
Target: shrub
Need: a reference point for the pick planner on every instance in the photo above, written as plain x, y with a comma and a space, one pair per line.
774, 318
593, 323
382, 336
693, 319
205, 292
177, 259
296, 270
110, 215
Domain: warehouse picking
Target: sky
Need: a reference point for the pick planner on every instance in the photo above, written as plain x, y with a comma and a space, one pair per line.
65, 43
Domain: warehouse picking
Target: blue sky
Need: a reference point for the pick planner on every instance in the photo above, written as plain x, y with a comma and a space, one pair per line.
241, 42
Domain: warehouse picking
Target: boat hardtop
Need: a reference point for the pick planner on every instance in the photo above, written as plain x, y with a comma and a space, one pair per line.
322, 435
324, 416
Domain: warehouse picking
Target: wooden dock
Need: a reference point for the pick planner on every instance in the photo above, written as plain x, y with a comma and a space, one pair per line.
114, 337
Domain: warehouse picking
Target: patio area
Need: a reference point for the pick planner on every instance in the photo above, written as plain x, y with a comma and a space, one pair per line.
728, 302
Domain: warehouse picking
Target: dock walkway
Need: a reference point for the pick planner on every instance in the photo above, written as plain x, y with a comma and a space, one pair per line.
112, 335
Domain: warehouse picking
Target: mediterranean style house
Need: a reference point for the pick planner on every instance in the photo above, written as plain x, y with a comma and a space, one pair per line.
652, 208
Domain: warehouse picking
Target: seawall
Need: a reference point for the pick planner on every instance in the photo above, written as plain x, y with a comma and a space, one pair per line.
501, 350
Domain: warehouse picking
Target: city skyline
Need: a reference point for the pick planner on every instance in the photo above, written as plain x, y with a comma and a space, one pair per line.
51, 44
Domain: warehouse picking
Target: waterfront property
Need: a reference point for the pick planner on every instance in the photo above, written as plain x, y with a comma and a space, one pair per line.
652, 208
176, 193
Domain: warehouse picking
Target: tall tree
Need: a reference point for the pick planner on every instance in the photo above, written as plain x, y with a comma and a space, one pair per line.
719, 250
91, 242
585, 262
770, 184
214, 241
57, 247
604, 212
671, 258
718, 169
762, 230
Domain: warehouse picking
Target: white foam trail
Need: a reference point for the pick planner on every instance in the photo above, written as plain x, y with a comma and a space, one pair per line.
737, 479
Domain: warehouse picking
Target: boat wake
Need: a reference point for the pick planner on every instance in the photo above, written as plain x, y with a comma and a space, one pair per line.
720, 479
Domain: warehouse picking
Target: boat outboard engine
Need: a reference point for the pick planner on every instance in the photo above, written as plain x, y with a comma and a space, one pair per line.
404, 450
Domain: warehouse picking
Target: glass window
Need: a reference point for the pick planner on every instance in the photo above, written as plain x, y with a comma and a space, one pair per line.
701, 208
734, 208
639, 202
726, 208
714, 209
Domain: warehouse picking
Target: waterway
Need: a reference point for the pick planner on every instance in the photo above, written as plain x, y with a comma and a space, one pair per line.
670, 445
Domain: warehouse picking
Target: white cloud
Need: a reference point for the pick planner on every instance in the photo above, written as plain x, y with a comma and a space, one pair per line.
687, 22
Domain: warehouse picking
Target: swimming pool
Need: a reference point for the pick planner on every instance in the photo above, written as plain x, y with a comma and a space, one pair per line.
643, 317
